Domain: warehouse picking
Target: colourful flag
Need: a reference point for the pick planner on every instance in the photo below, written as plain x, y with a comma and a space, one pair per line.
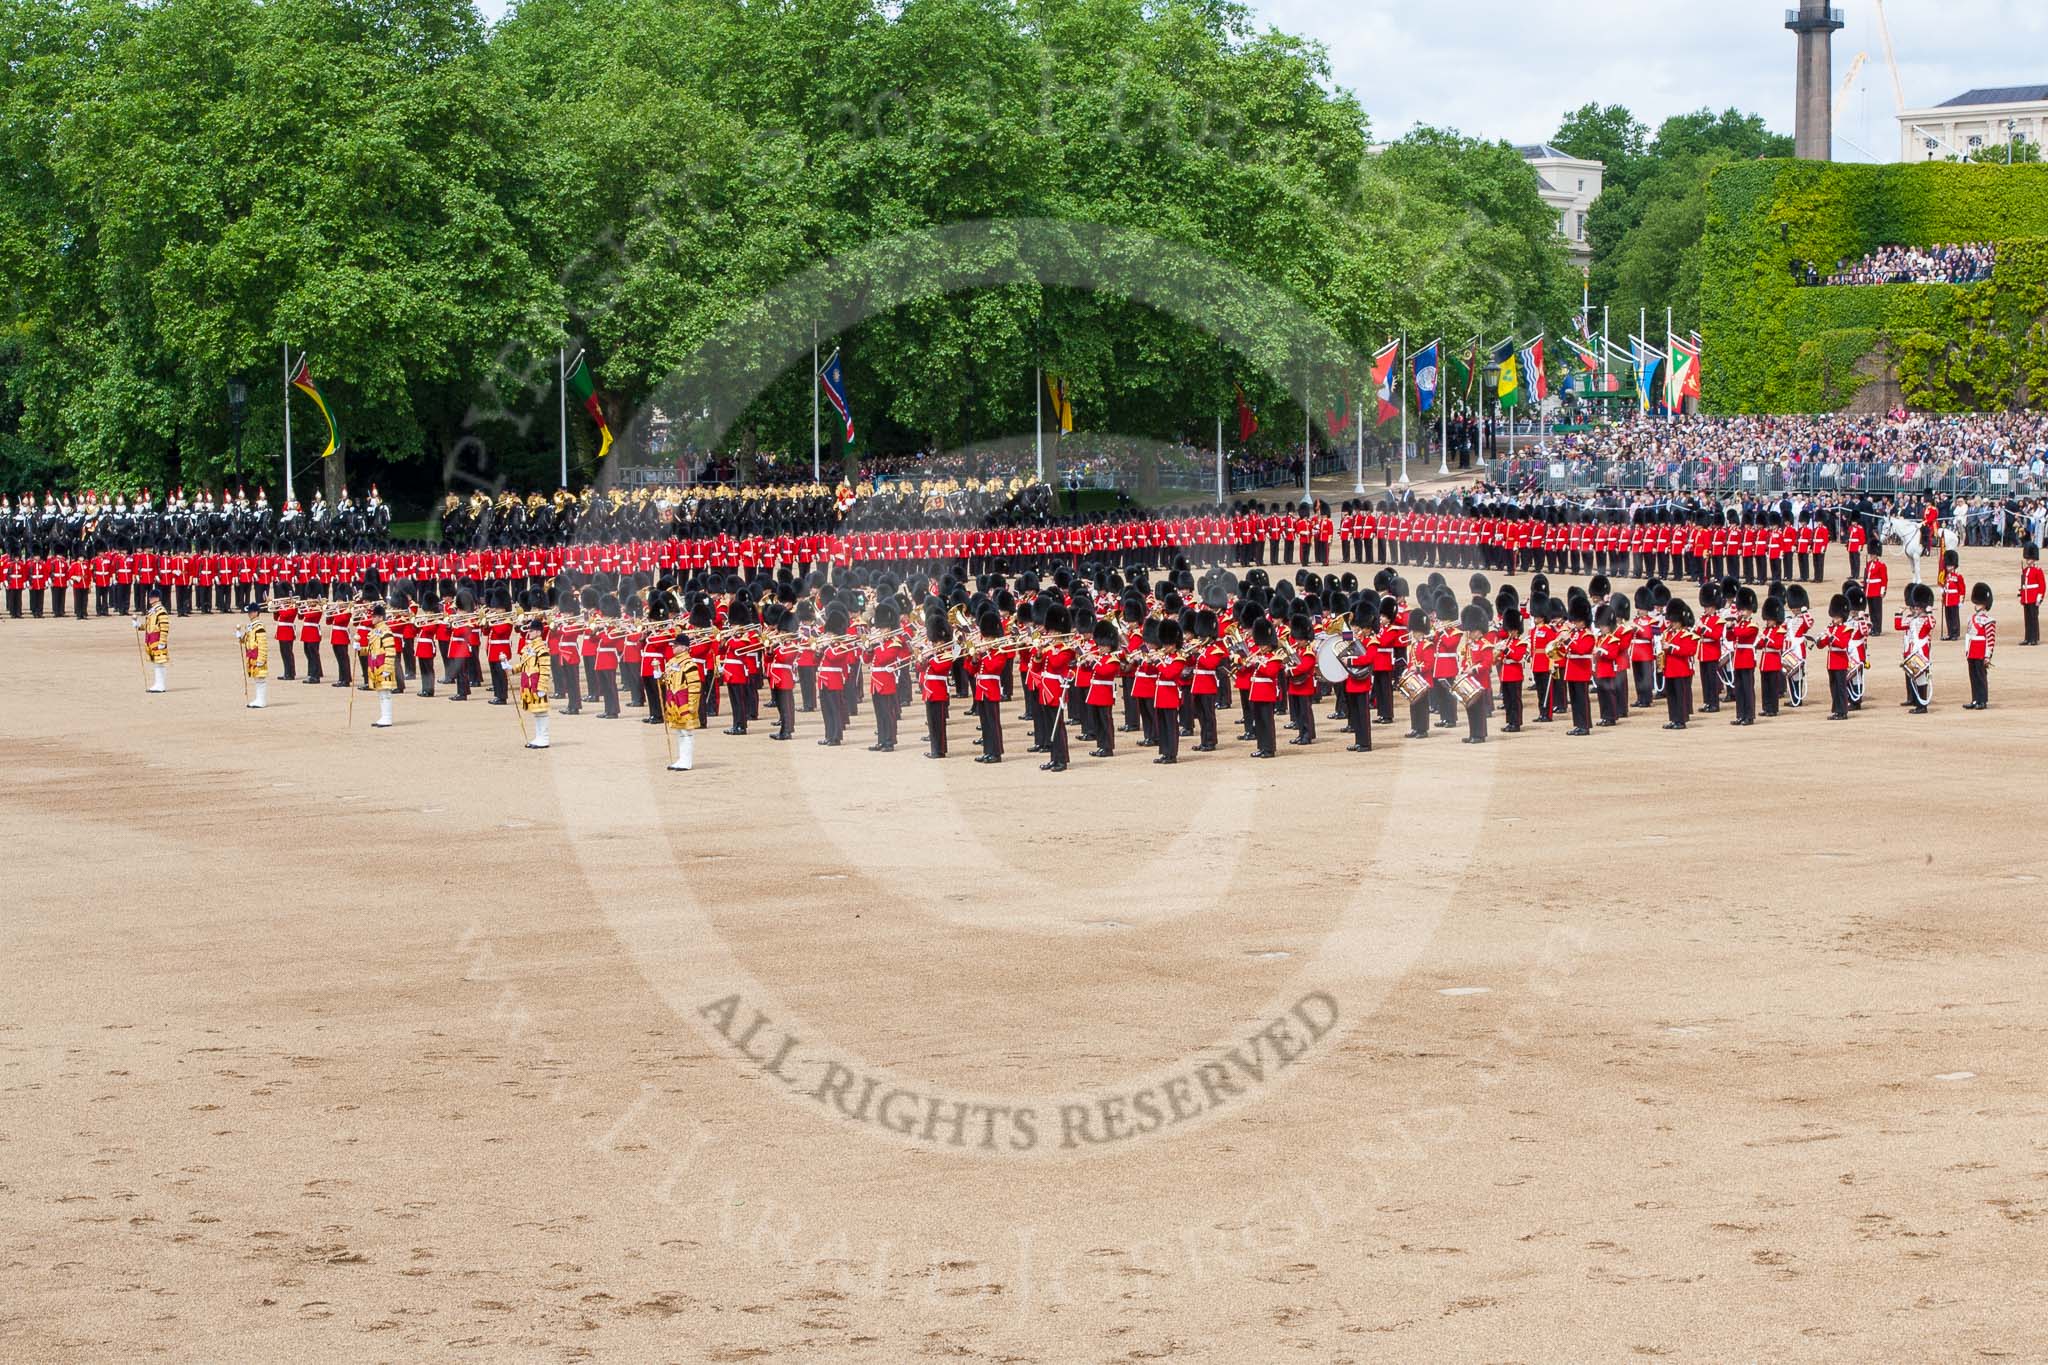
1383, 379
302, 380
1247, 420
1582, 356
1533, 378
1062, 404
833, 378
1426, 377
1683, 380
1464, 375
585, 390
1646, 358
1337, 420
1509, 386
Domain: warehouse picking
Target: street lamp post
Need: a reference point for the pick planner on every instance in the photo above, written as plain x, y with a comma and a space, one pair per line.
1490, 390
238, 409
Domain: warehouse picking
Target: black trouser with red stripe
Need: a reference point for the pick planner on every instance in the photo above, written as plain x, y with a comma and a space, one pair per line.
1358, 710
1105, 727
1582, 706
991, 713
1263, 737
1169, 737
934, 723
1511, 703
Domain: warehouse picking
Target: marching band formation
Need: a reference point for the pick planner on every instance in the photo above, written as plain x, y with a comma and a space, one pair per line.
1101, 650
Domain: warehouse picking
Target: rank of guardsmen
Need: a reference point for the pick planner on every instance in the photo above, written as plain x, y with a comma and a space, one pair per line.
1103, 651
217, 552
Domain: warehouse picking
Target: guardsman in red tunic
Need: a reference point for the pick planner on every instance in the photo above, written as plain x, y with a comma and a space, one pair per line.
1578, 665
1055, 676
1742, 633
783, 656
1915, 625
1171, 671
1389, 653
935, 679
836, 657
286, 610
1475, 661
1301, 680
1513, 652
1263, 686
2033, 587
1613, 637
1771, 640
1877, 576
1840, 646
1105, 665
1980, 643
1680, 647
885, 677
1953, 590
986, 667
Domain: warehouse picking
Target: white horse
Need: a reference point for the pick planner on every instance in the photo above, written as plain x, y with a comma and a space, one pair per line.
1905, 533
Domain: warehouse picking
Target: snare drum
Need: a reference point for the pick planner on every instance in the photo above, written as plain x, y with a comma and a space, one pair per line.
1413, 686
1916, 666
1468, 689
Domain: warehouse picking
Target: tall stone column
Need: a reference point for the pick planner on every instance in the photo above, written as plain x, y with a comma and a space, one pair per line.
1813, 133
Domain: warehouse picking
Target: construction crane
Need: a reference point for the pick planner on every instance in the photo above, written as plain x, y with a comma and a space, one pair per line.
1891, 59
1849, 82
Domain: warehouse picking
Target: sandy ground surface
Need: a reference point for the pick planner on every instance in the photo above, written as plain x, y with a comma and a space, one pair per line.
326, 1043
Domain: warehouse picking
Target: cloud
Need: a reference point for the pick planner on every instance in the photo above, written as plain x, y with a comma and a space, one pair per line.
1511, 68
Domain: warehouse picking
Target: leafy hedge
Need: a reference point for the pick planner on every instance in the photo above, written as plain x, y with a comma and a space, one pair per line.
1773, 346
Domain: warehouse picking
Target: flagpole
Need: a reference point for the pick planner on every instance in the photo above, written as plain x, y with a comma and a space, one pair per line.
1038, 417
1401, 359
1606, 340
562, 405
1358, 436
1307, 432
1519, 385
1443, 462
1443, 409
1219, 459
817, 470
1668, 414
289, 494
1404, 424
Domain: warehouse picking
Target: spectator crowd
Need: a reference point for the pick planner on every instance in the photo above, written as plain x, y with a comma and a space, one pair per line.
1958, 263
2002, 454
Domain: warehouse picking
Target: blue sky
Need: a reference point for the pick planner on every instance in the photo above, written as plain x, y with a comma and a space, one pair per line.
1509, 68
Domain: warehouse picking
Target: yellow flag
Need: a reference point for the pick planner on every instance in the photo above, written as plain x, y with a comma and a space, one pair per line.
1062, 406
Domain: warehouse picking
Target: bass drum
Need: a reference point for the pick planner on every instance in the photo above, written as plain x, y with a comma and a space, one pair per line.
1330, 658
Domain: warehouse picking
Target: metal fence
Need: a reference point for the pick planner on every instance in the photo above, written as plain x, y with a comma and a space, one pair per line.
1967, 479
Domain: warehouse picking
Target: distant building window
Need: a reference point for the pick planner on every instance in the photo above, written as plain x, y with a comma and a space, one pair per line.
1580, 228
1582, 184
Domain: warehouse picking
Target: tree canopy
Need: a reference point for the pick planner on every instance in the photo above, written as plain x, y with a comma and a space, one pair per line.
1645, 227
430, 208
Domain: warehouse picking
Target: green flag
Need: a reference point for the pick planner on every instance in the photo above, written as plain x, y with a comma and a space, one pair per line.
1510, 386
1461, 376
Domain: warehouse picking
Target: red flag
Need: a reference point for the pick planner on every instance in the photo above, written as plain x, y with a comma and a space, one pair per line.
1383, 380
1247, 420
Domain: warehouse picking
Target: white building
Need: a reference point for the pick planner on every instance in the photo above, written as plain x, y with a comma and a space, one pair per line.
1569, 185
1972, 120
